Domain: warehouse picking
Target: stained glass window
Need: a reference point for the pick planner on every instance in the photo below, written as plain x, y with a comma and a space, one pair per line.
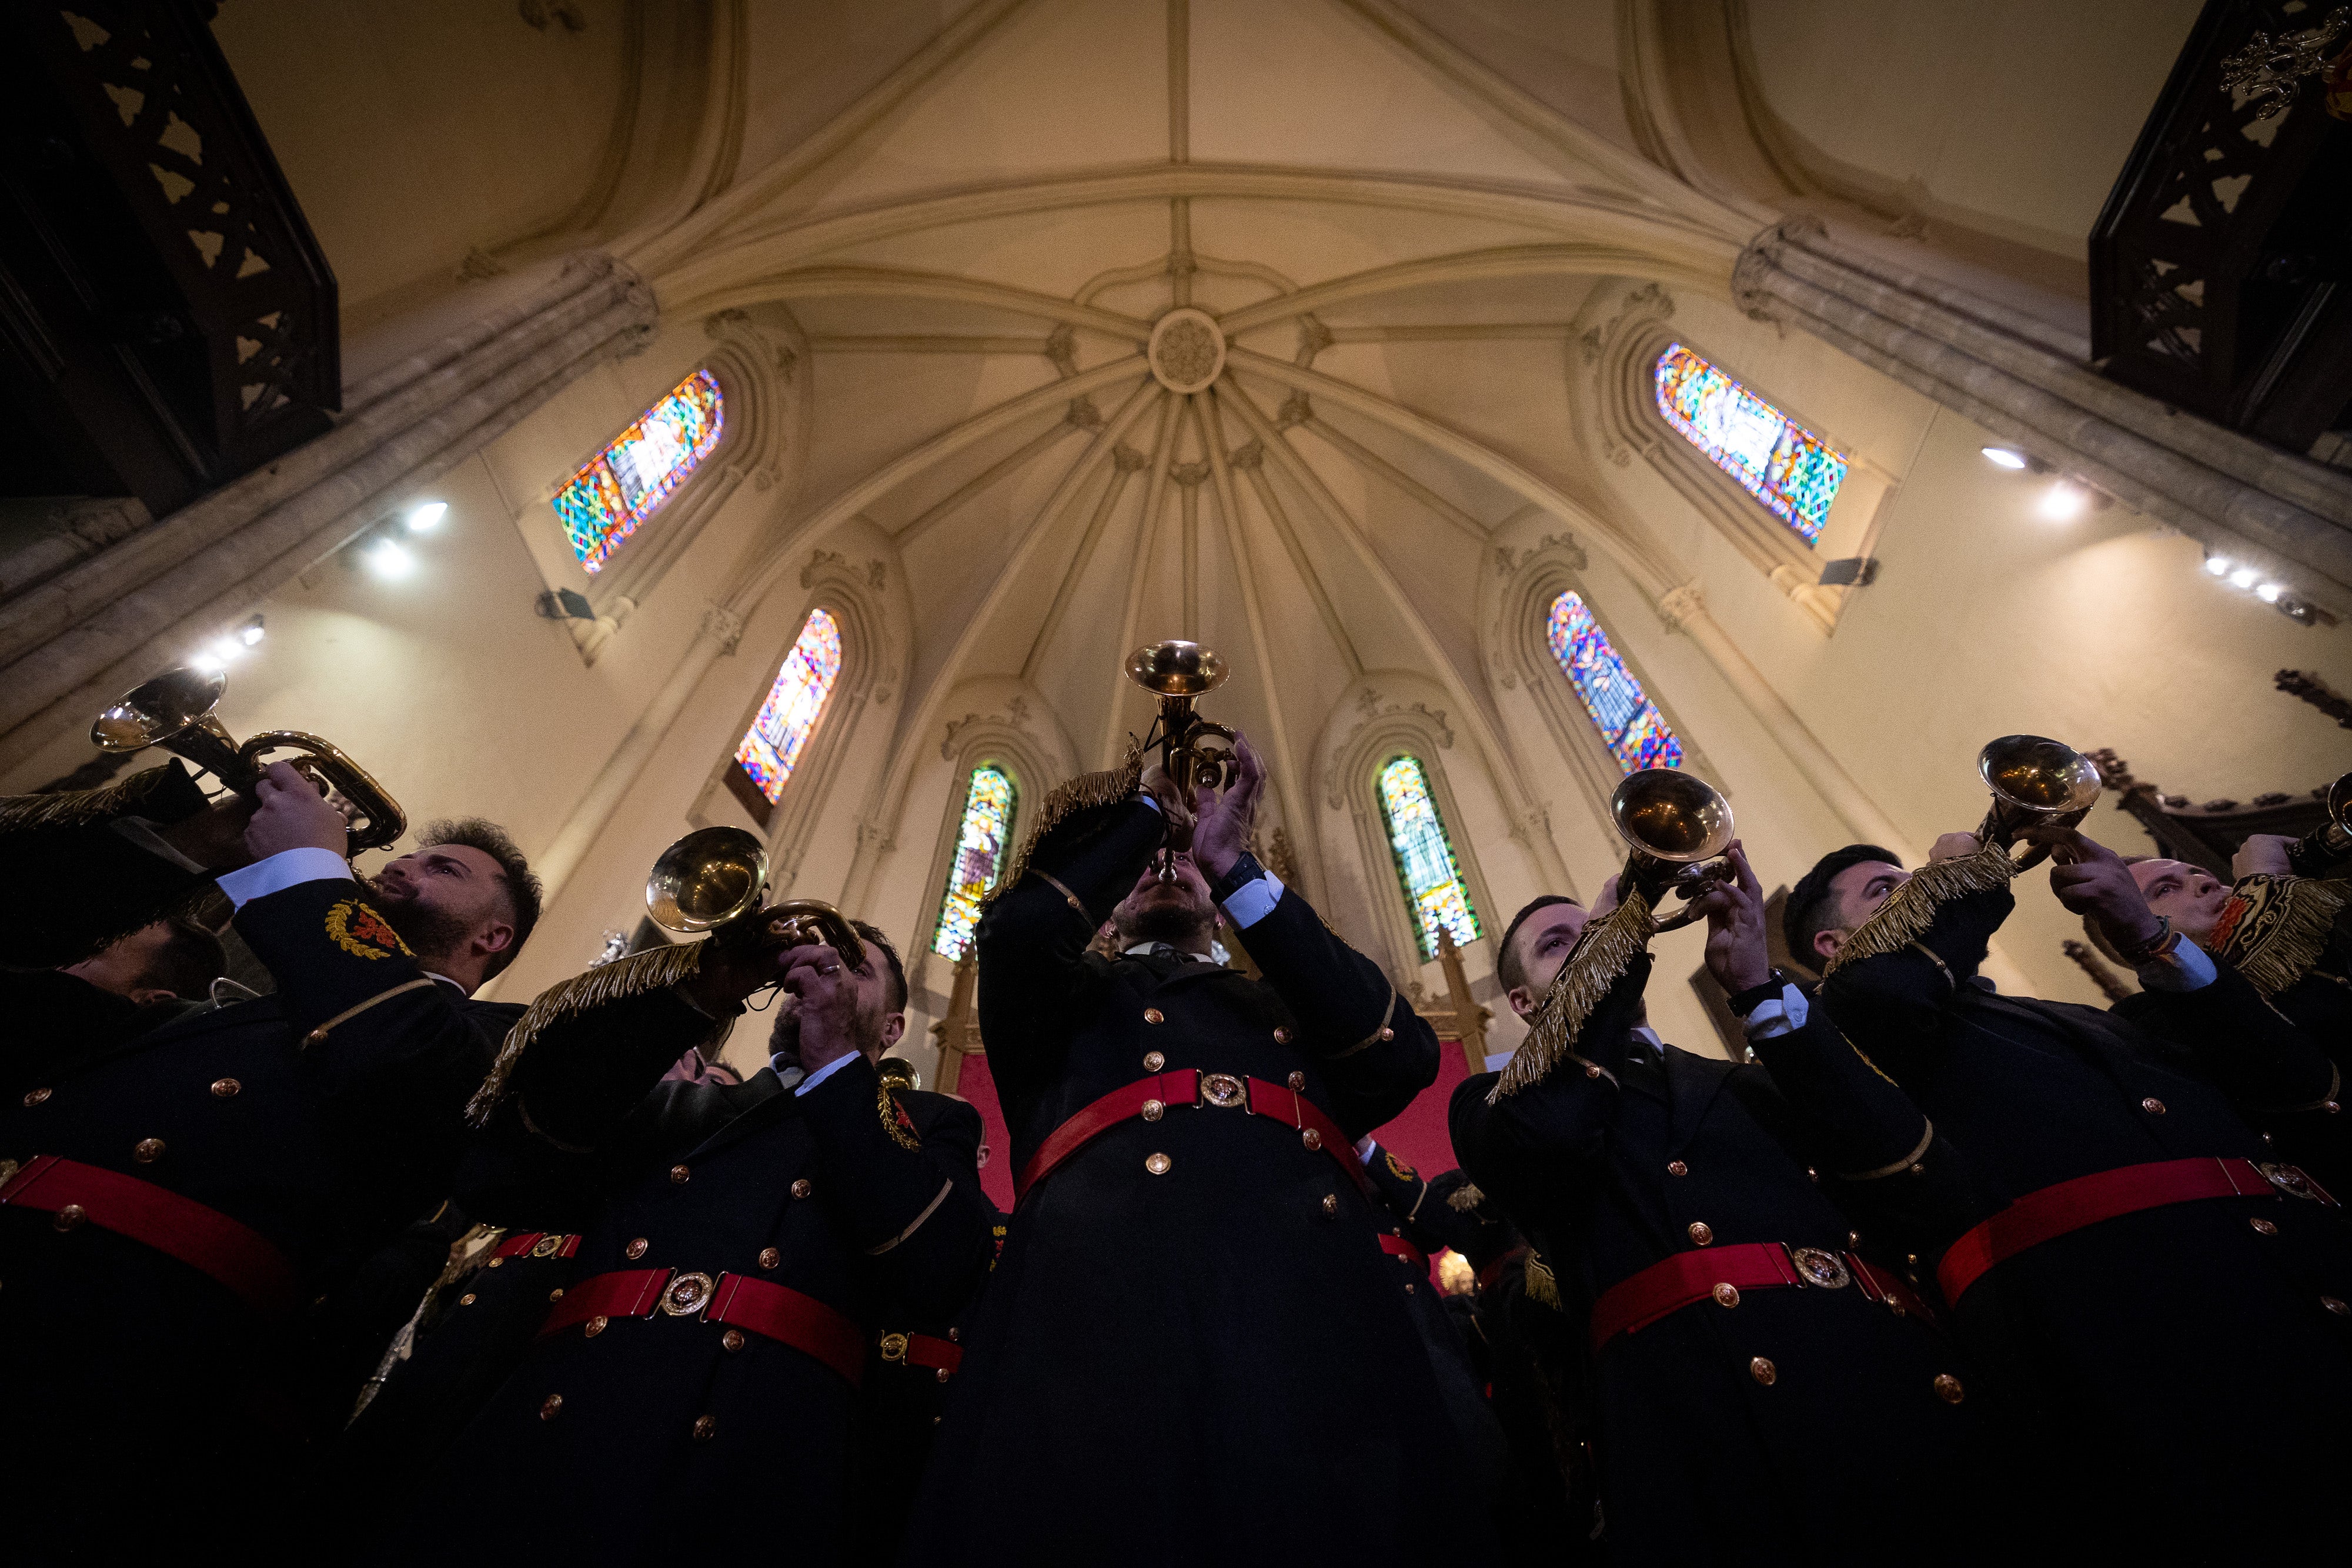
1783, 465
794, 703
627, 482
1432, 881
1621, 711
979, 856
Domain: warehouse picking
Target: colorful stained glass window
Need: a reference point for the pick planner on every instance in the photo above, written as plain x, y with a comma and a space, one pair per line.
772, 745
1432, 881
1621, 711
979, 856
1783, 465
627, 482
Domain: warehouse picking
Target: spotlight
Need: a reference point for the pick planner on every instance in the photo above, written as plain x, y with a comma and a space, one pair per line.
2062, 503
250, 632
2003, 458
2269, 593
2219, 565
390, 558
203, 664
427, 518
225, 649
2243, 577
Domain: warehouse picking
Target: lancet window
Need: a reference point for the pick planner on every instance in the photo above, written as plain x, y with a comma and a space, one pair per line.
1788, 468
1629, 721
980, 853
640, 469
1427, 869
796, 703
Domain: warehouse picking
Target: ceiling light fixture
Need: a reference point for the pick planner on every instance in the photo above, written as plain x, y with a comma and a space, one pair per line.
427, 518
250, 632
2219, 565
390, 558
2269, 593
2063, 503
2243, 577
2003, 458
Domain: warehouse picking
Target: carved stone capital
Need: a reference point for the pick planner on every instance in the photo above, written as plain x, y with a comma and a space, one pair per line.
1295, 410
1247, 457
1678, 606
1128, 460
1189, 475
1751, 286
722, 626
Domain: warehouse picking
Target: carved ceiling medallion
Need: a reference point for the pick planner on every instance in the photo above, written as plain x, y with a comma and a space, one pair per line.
1188, 350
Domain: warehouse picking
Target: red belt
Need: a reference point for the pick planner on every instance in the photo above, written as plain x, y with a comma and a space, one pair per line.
773, 1311
1720, 1273
540, 1244
241, 1258
1151, 1097
1493, 1271
1398, 1247
922, 1350
2052, 1211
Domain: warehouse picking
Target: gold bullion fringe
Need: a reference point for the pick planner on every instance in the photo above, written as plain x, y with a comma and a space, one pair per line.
1465, 1198
1543, 1289
1600, 957
1106, 787
2280, 937
633, 976
1911, 909
79, 808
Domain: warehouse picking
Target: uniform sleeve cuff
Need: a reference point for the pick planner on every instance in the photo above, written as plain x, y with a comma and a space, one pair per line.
1783, 1014
2186, 969
281, 870
1253, 901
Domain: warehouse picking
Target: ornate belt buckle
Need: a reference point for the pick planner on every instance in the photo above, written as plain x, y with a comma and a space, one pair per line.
894, 1347
547, 1246
1816, 1267
2290, 1179
1222, 1090
687, 1295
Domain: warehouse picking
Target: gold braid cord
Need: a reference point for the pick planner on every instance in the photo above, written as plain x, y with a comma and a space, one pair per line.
1602, 954
1106, 787
1910, 909
633, 976
1543, 1288
2274, 928
81, 808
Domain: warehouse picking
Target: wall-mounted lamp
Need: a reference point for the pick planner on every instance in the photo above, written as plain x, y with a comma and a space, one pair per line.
2003, 457
222, 650
2267, 589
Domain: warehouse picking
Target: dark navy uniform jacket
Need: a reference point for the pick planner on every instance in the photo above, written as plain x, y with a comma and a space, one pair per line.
73, 890
614, 1447
117, 1361
2144, 1352
1728, 1434
1192, 1349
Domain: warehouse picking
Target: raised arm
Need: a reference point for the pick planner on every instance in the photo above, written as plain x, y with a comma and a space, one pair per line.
88, 865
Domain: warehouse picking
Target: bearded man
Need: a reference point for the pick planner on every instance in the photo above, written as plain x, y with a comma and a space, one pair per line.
178, 1203
1194, 1348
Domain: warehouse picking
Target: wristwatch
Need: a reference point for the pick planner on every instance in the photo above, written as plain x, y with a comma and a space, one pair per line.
1754, 997
1240, 875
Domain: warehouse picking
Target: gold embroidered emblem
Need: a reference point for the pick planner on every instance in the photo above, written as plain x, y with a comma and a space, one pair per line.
895, 1120
1397, 1168
361, 932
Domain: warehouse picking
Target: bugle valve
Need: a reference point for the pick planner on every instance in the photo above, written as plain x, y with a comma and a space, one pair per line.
2330, 842
174, 711
2035, 782
1676, 827
1193, 751
713, 880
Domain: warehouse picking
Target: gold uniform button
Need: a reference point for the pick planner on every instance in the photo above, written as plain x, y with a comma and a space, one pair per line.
1157, 1165
1153, 1062
801, 1187
598, 1324
1948, 1389
770, 1257
2336, 1304
1281, 1036
2331, 1106
37, 1096
1812, 1174
2263, 1227
1726, 1294
316, 1037
680, 1174
466, 1299
1153, 1110
1701, 1233
942, 1375
636, 1249
498, 1263
704, 1427
1387, 1033
1297, 1082
1853, 1238
1590, 1070
225, 1088
1408, 1287
1676, 1167
1312, 1138
955, 1336
1153, 1015
68, 1217
732, 1339
2152, 1105
1330, 1203
1761, 1369
147, 1150
556, 1294
550, 1406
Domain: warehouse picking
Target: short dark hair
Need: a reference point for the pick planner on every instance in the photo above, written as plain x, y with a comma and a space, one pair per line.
1508, 967
187, 964
1810, 910
899, 992
523, 892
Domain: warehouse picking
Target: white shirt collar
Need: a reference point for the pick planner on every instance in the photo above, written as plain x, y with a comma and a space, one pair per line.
1143, 949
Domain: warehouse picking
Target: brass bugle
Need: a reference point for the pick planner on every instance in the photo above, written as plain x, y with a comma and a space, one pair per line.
1193, 751
713, 880
174, 711
2035, 782
1676, 826
2318, 851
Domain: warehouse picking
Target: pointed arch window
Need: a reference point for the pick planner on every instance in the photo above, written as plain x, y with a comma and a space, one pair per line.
1629, 721
770, 748
1427, 869
640, 469
1788, 468
980, 853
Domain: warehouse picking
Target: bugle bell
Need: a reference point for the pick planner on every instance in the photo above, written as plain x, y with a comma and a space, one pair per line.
1676, 826
1193, 751
174, 711
713, 880
2320, 849
2035, 782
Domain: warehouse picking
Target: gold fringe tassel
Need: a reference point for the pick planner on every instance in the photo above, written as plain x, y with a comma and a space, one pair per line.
638, 973
1107, 787
1608, 945
79, 808
1543, 1289
2282, 930
1465, 1198
1910, 909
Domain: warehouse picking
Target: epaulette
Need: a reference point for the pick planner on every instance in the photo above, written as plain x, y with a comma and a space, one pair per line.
652, 970
1600, 959
1910, 910
81, 808
2273, 929
1107, 787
